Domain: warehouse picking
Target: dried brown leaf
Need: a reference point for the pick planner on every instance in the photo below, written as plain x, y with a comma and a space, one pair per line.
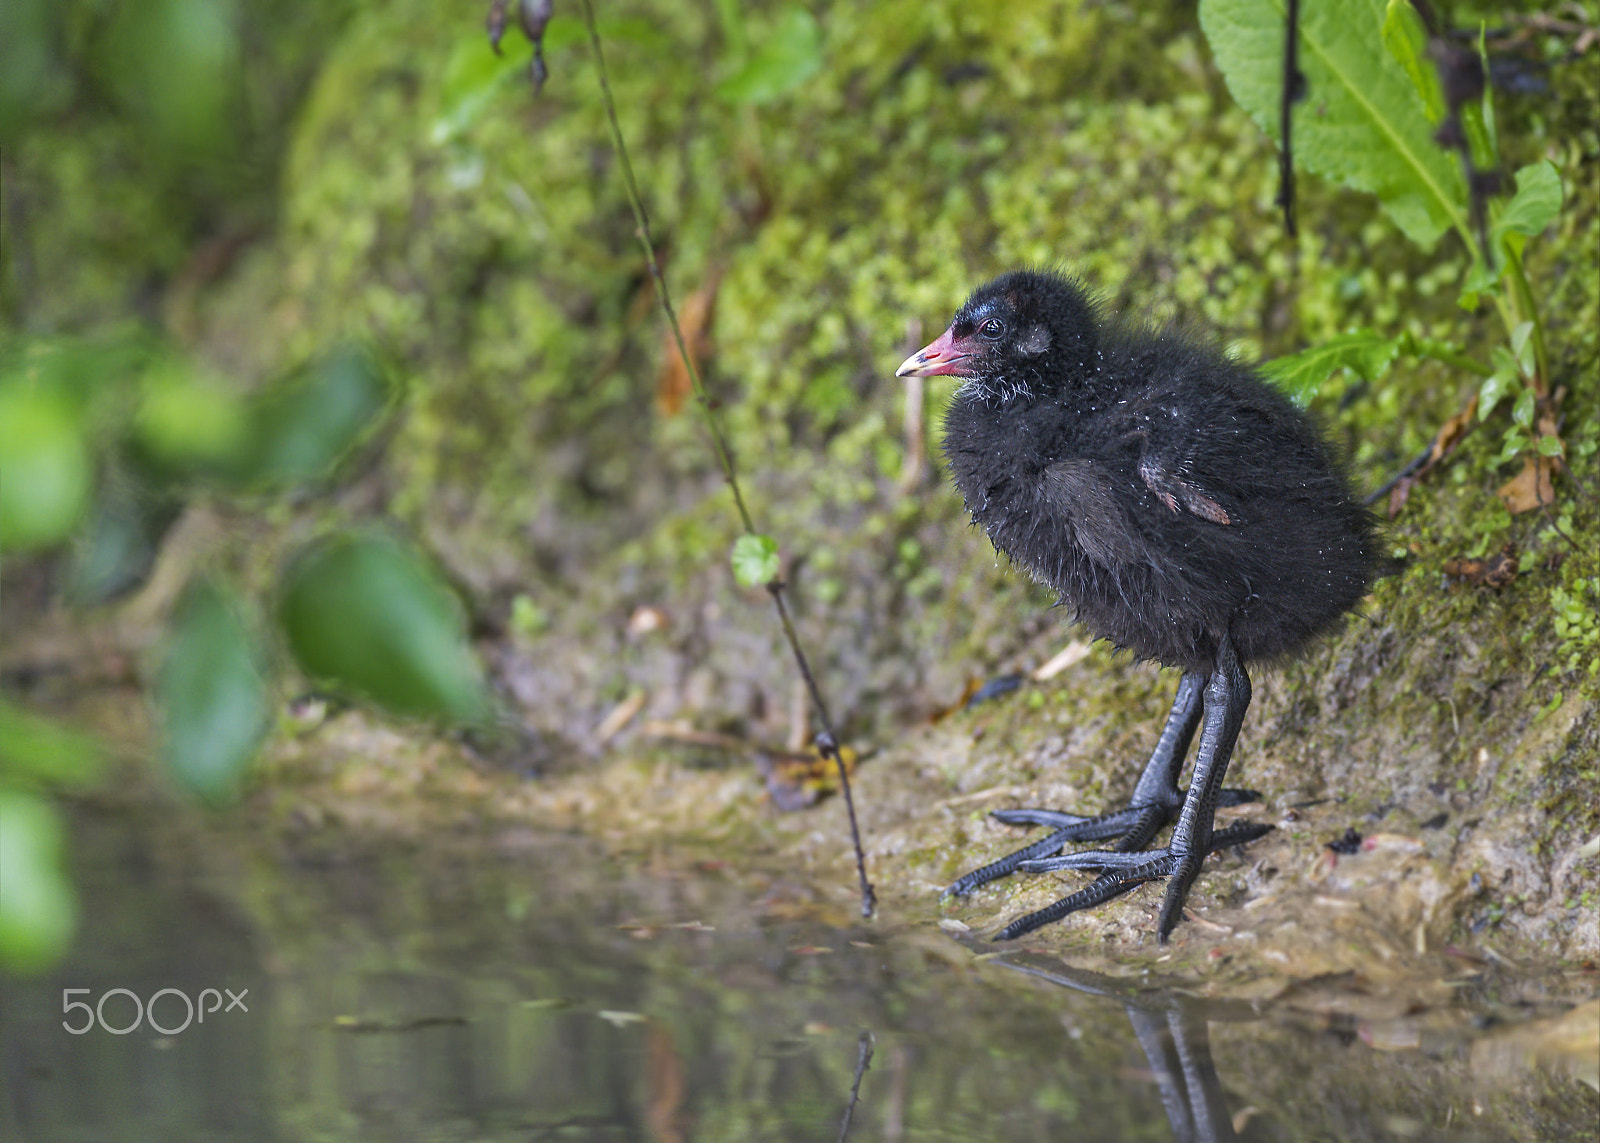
673, 385
1531, 488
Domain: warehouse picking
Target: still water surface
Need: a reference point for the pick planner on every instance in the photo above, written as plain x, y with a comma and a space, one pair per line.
523, 988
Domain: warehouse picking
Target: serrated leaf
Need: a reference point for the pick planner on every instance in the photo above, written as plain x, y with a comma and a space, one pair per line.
1446, 351
755, 560
212, 702
365, 615
1536, 203
1301, 374
790, 54
1362, 124
1407, 40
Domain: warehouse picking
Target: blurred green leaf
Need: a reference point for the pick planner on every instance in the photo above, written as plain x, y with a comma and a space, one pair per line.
174, 66
302, 426
45, 467
1301, 374
38, 910
1364, 126
1522, 347
1536, 203
790, 54
186, 420
472, 77
1522, 411
1497, 386
1477, 119
116, 546
366, 615
35, 747
213, 705
1407, 40
637, 31
33, 80
755, 560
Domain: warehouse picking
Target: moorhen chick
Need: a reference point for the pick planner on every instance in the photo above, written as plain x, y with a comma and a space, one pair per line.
1182, 507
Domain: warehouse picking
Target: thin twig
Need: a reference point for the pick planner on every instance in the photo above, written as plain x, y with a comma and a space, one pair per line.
828, 744
1294, 89
863, 1061
827, 741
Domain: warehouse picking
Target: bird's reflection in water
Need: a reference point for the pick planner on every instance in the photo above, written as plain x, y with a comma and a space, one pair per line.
1172, 1029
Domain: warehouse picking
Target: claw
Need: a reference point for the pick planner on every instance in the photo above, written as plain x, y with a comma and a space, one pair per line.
1125, 871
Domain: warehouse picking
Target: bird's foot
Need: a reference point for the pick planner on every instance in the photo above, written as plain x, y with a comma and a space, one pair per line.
1122, 871
1136, 825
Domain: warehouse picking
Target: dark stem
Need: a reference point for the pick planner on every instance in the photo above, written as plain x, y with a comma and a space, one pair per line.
827, 741
1294, 82
828, 744
863, 1061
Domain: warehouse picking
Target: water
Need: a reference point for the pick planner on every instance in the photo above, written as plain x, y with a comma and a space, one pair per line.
522, 987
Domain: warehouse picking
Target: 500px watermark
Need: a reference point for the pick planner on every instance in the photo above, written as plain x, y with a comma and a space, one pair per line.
145, 1012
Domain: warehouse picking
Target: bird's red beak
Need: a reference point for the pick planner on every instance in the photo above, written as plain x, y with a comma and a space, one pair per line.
945, 357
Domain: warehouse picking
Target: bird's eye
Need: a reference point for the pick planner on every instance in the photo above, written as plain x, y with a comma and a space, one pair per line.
993, 329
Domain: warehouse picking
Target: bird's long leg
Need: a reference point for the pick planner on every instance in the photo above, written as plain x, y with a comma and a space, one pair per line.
1227, 697
1156, 799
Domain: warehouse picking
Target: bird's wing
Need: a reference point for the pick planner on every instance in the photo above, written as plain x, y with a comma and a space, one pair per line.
1085, 493
1178, 493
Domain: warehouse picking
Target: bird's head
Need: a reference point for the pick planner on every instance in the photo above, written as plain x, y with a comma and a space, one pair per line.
1028, 333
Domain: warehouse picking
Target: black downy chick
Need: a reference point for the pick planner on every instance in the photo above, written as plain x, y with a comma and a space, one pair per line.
1181, 506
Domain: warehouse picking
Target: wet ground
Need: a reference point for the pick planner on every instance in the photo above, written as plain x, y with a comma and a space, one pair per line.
510, 982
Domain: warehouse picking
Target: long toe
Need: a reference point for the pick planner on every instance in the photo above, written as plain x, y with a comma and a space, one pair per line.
1051, 843
1076, 827
1185, 868
1121, 872
1135, 825
1097, 892
1110, 860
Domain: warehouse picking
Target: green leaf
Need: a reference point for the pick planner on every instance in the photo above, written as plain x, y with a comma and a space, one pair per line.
213, 705
473, 76
1551, 446
1495, 388
1477, 119
1522, 347
1301, 374
303, 425
1447, 352
45, 468
364, 614
1522, 411
1536, 203
38, 748
1407, 40
186, 421
790, 54
755, 560
38, 910
1362, 124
